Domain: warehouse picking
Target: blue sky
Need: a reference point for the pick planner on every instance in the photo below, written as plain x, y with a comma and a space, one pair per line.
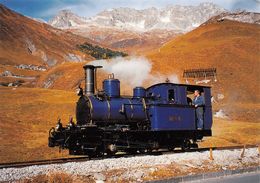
46, 9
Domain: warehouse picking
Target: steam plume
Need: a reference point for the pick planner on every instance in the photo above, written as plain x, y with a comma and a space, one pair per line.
136, 71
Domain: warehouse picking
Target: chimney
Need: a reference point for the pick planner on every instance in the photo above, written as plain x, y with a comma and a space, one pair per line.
90, 79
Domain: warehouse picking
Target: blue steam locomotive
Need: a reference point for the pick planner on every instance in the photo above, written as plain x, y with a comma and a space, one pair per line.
161, 116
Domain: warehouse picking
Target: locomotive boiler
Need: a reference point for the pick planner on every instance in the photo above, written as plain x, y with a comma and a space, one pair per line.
156, 117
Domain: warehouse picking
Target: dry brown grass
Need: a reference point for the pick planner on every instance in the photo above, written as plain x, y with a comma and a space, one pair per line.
53, 178
58, 178
26, 115
228, 133
173, 170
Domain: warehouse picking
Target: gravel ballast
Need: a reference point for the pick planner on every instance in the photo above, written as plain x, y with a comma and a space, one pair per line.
222, 158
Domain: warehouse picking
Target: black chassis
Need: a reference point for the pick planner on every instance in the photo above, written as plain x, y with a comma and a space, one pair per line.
95, 141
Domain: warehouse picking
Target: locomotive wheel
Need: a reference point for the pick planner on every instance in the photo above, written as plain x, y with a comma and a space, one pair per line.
171, 148
186, 145
95, 154
110, 153
156, 145
132, 151
149, 151
142, 151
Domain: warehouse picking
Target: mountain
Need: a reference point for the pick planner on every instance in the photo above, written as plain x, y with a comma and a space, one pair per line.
175, 17
129, 29
138, 31
28, 48
233, 48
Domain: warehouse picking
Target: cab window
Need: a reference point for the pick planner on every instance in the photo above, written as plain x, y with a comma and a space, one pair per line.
171, 96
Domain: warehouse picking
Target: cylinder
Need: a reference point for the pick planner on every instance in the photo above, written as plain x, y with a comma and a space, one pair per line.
139, 92
111, 87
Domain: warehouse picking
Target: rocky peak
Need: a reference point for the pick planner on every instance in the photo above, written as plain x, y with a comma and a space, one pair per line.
240, 16
174, 17
66, 19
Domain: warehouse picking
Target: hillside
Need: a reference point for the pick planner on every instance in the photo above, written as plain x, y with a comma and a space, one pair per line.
34, 42
233, 48
126, 40
29, 48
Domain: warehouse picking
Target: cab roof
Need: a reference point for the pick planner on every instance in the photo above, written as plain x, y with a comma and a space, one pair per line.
189, 87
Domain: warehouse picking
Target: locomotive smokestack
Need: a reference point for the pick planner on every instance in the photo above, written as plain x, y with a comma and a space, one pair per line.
90, 78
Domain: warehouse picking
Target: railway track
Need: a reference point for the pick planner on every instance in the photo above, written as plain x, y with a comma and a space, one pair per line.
42, 162
85, 158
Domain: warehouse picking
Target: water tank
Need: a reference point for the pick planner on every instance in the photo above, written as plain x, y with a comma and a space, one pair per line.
139, 92
111, 86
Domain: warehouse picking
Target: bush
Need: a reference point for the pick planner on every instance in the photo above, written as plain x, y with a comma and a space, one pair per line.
99, 52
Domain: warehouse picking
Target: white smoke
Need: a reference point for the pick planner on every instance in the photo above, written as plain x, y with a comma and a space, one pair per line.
134, 70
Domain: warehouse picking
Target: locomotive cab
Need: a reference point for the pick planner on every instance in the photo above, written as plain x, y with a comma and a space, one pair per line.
174, 109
